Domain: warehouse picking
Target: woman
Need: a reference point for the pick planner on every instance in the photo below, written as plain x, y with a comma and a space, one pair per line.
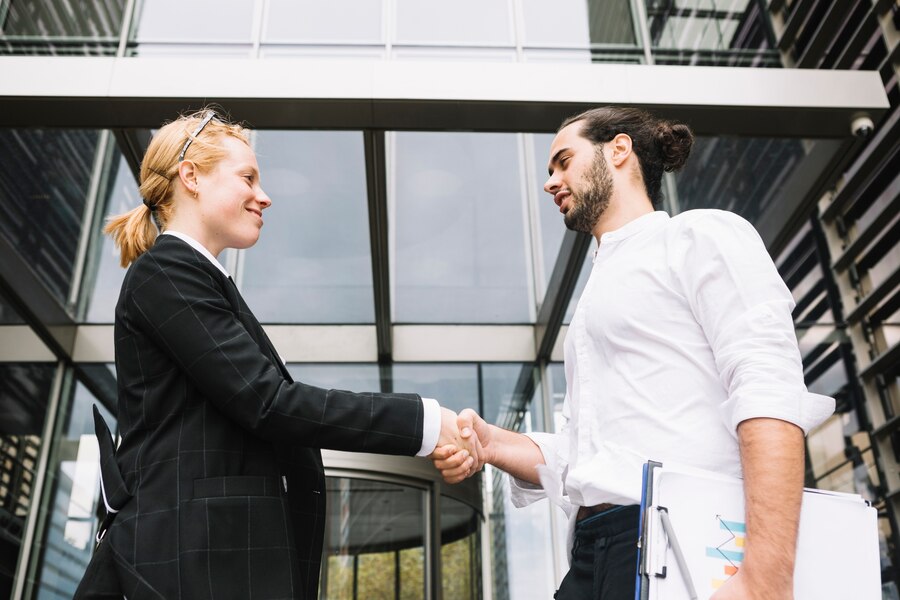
217, 489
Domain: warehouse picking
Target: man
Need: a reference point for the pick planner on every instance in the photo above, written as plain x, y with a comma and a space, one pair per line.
681, 349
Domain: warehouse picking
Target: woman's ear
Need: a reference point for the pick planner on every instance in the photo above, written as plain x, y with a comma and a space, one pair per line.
187, 174
621, 149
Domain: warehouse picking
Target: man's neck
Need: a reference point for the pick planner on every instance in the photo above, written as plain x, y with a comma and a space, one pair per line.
623, 209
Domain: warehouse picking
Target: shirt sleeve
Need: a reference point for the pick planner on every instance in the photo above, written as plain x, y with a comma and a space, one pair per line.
744, 308
555, 448
431, 426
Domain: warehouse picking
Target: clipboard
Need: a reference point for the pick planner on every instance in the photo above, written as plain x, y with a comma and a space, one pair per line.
692, 532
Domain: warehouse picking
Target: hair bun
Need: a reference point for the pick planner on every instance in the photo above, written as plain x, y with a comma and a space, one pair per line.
674, 141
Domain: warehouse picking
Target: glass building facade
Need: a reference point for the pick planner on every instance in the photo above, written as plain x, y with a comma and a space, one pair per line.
410, 246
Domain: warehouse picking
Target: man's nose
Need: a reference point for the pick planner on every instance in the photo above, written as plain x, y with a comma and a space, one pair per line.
552, 185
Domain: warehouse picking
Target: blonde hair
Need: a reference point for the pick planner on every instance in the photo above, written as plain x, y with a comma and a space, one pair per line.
134, 232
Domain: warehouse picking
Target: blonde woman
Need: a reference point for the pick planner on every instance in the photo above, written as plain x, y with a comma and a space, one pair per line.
217, 489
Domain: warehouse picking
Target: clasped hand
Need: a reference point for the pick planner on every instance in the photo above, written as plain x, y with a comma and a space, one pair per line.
463, 445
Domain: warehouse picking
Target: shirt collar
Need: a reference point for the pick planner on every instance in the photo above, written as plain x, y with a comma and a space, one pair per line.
198, 247
635, 226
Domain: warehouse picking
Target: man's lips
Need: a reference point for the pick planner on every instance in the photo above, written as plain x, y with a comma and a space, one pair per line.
560, 198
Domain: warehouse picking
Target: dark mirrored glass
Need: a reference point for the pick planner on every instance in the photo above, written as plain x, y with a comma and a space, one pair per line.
43, 188
507, 391
24, 397
60, 27
710, 32
328, 22
312, 263
105, 274
374, 540
460, 23
742, 175
69, 537
460, 250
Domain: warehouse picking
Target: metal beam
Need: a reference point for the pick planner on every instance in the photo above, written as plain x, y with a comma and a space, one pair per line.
378, 240
133, 144
559, 291
304, 93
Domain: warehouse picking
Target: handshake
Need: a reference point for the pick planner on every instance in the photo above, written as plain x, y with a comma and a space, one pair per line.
464, 445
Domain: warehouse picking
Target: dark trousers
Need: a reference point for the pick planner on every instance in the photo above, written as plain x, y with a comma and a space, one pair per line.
604, 557
100, 581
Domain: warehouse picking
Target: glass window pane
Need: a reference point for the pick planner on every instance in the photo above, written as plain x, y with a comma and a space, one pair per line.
312, 21
105, 270
454, 386
43, 188
742, 175
373, 528
552, 227
500, 397
194, 21
460, 568
354, 377
60, 27
24, 395
459, 242
69, 539
312, 263
8, 315
462, 22
578, 23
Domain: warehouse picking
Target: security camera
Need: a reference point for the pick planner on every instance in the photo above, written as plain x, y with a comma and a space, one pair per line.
862, 127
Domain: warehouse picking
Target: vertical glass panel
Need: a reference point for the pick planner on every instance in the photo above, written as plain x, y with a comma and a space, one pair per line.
454, 386
460, 556
552, 227
105, 272
43, 188
463, 22
59, 27
460, 244
374, 540
355, 377
69, 536
742, 175
710, 32
311, 21
24, 395
194, 27
312, 263
502, 398
578, 23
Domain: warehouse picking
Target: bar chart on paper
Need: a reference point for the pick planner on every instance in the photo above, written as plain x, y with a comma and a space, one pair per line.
837, 547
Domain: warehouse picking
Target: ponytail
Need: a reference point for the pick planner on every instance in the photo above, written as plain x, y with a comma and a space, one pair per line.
133, 233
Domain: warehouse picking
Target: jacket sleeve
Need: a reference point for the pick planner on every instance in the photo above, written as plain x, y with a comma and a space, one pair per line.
181, 307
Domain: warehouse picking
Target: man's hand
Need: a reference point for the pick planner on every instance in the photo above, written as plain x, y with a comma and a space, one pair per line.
456, 463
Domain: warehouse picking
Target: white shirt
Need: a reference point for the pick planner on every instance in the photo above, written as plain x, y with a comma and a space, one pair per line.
683, 331
432, 411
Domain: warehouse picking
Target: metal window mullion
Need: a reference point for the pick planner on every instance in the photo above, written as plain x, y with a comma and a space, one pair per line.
260, 12
88, 217
640, 15
379, 241
125, 32
531, 225
28, 558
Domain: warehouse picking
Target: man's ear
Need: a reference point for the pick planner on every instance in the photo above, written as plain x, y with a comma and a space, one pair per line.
187, 174
620, 149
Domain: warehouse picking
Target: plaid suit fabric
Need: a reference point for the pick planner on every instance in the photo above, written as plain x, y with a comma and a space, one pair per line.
219, 446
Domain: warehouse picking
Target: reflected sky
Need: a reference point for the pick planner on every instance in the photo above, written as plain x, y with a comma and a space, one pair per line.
312, 263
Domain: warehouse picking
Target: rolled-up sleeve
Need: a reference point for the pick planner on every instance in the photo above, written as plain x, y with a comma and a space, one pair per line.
744, 308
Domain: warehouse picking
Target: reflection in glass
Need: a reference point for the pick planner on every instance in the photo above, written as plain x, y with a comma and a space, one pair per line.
452, 385
43, 188
69, 536
463, 22
374, 540
743, 175
24, 394
460, 250
59, 27
311, 21
460, 556
578, 23
552, 228
354, 377
312, 263
104, 269
703, 32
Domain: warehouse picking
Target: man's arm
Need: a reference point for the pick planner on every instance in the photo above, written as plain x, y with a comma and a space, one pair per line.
772, 460
507, 450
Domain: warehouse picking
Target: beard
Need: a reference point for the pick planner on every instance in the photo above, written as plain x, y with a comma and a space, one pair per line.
592, 200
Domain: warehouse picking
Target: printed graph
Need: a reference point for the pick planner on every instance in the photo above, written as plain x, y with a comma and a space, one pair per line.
728, 554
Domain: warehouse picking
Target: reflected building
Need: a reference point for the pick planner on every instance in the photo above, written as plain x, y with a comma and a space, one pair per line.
410, 246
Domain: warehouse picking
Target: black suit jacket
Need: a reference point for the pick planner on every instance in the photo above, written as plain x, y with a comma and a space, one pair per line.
222, 490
